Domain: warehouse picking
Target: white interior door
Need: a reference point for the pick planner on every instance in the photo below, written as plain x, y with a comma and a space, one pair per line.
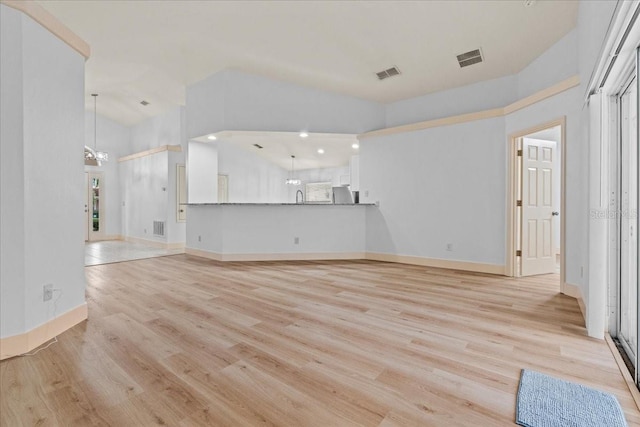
538, 254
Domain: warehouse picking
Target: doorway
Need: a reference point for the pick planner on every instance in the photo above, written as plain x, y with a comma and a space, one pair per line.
535, 217
94, 206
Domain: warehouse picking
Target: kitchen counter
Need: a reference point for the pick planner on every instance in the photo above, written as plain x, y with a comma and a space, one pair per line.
276, 231
279, 204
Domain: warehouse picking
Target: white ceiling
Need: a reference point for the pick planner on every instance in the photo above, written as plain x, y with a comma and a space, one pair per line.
278, 147
550, 134
150, 50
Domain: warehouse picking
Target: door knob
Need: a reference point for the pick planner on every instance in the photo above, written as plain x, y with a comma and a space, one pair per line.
555, 213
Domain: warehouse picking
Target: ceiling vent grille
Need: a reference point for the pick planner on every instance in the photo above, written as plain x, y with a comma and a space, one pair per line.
470, 58
390, 72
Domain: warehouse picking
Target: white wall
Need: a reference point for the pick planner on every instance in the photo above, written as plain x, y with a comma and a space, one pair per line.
47, 245
114, 139
437, 186
205, 106
252, 179
251, 102
12, 179
434, 165
165, 129
556, 64
271, 229
148, 184
145, 195
202, 172
472, 98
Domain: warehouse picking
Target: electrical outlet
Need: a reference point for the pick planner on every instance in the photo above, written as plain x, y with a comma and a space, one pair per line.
450, 247
296, 240
199, 238
366, 193
47, 292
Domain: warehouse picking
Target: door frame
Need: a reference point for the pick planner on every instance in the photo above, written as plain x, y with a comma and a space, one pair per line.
100, 234
512, 183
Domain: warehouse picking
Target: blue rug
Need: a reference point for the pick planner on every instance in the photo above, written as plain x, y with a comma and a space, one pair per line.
544, 401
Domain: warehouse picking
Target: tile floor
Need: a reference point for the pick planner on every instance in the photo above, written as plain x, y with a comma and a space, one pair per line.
107, 252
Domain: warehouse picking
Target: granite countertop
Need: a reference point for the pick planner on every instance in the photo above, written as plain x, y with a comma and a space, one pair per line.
278, 204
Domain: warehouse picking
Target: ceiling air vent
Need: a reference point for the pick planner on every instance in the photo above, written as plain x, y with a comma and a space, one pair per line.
393, 71
469, 58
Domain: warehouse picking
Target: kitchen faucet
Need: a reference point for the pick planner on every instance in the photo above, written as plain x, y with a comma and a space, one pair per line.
301, 197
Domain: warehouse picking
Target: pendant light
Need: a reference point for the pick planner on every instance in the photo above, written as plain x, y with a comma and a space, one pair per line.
101, 156
291, 180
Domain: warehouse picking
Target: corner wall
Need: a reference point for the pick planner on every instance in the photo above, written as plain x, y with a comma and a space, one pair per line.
42, 143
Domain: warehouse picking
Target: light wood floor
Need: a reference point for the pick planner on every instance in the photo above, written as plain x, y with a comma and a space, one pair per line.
183, 341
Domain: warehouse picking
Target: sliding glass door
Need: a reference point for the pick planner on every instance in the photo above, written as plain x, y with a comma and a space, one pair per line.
628, 221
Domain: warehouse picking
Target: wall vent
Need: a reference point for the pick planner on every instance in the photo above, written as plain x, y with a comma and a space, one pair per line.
390, 72
158, 228
470, 58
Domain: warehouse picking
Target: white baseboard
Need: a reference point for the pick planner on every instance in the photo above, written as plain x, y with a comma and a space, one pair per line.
440, 263
402, 259
22, 343
155, 243
309, 256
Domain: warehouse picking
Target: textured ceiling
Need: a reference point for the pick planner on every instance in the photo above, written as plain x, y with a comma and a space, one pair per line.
150, 50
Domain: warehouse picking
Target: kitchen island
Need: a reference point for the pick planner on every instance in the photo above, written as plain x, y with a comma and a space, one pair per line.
276, 231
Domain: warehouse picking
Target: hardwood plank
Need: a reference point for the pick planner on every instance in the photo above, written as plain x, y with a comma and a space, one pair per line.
186, 341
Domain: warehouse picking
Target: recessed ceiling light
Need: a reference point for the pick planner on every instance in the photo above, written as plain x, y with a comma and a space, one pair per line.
320, 151
303, 134
212, 137
355, 146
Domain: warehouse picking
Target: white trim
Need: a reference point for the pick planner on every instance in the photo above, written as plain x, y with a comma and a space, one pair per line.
623, 370
510, 262
295, 256
19, 344
151, 152
51, 23
155, 243
373, 256
438, 263
479, 115
618, 25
